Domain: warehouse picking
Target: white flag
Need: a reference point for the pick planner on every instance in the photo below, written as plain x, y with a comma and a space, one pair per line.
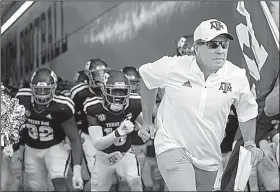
243, 170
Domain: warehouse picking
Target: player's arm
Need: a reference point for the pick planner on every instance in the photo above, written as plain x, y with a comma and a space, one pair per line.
74, 92
139, 121
271, 107
139, 118
22, 136
99, 141
71, 131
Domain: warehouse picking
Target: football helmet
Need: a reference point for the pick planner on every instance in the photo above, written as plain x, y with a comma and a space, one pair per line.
185, 46
80, 77
43, 85
116, 90
95, 69
134, 77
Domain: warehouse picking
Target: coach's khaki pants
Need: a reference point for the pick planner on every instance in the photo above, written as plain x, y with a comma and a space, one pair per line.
179, 173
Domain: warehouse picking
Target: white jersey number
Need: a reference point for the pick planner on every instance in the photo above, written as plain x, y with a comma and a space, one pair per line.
43, 133
120, 141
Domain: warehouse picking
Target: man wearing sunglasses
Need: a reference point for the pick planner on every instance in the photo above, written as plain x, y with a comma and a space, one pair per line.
192, 117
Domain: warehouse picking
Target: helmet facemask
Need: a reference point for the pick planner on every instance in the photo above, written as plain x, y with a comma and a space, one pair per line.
43, 93
96, 76
116, 96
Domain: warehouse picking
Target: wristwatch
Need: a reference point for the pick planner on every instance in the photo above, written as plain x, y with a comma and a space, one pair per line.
117, 134
250, 143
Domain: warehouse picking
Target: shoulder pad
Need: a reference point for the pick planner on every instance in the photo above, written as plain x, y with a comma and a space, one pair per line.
24, 92
65, 101
134, 96
92, 103
77, 88
66, 93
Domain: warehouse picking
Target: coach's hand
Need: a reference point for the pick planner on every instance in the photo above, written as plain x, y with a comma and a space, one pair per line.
147, 131
77, 180
126, 127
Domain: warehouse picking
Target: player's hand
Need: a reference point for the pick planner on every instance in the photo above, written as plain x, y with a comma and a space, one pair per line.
8, 151
270, 159
126, 127
77, 180
147, 131
256, 155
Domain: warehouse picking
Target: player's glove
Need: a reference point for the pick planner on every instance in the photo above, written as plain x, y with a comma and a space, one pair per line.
125, 128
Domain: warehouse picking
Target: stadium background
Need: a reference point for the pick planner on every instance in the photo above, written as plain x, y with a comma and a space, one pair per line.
64, 35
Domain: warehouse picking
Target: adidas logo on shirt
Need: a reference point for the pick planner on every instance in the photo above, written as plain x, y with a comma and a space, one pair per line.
187, 84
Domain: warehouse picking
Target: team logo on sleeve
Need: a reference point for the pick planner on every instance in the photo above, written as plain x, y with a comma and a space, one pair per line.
101, 117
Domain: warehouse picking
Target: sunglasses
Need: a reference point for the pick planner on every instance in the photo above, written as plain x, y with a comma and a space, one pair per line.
215, 44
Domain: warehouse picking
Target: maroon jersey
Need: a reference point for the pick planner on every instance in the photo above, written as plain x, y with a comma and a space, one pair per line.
44, 129
79, 93
111, 121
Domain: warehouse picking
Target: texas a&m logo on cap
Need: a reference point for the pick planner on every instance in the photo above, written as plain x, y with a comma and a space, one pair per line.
216, 25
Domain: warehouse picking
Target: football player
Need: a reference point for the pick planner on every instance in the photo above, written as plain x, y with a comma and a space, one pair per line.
111, 121
63, 87
94, 70
134, 77
50, 118
185, 45
80, 77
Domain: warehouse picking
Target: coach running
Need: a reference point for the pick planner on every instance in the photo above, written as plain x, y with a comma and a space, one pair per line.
191, 119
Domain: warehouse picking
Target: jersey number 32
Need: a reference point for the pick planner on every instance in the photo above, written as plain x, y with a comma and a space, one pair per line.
43, 133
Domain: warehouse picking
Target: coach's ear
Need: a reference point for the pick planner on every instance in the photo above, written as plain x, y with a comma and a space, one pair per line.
196, 48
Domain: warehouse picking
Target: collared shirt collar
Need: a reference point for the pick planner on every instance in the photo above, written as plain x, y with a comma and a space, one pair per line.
195, 68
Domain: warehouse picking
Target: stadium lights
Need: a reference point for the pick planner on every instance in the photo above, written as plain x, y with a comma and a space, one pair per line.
16, 15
